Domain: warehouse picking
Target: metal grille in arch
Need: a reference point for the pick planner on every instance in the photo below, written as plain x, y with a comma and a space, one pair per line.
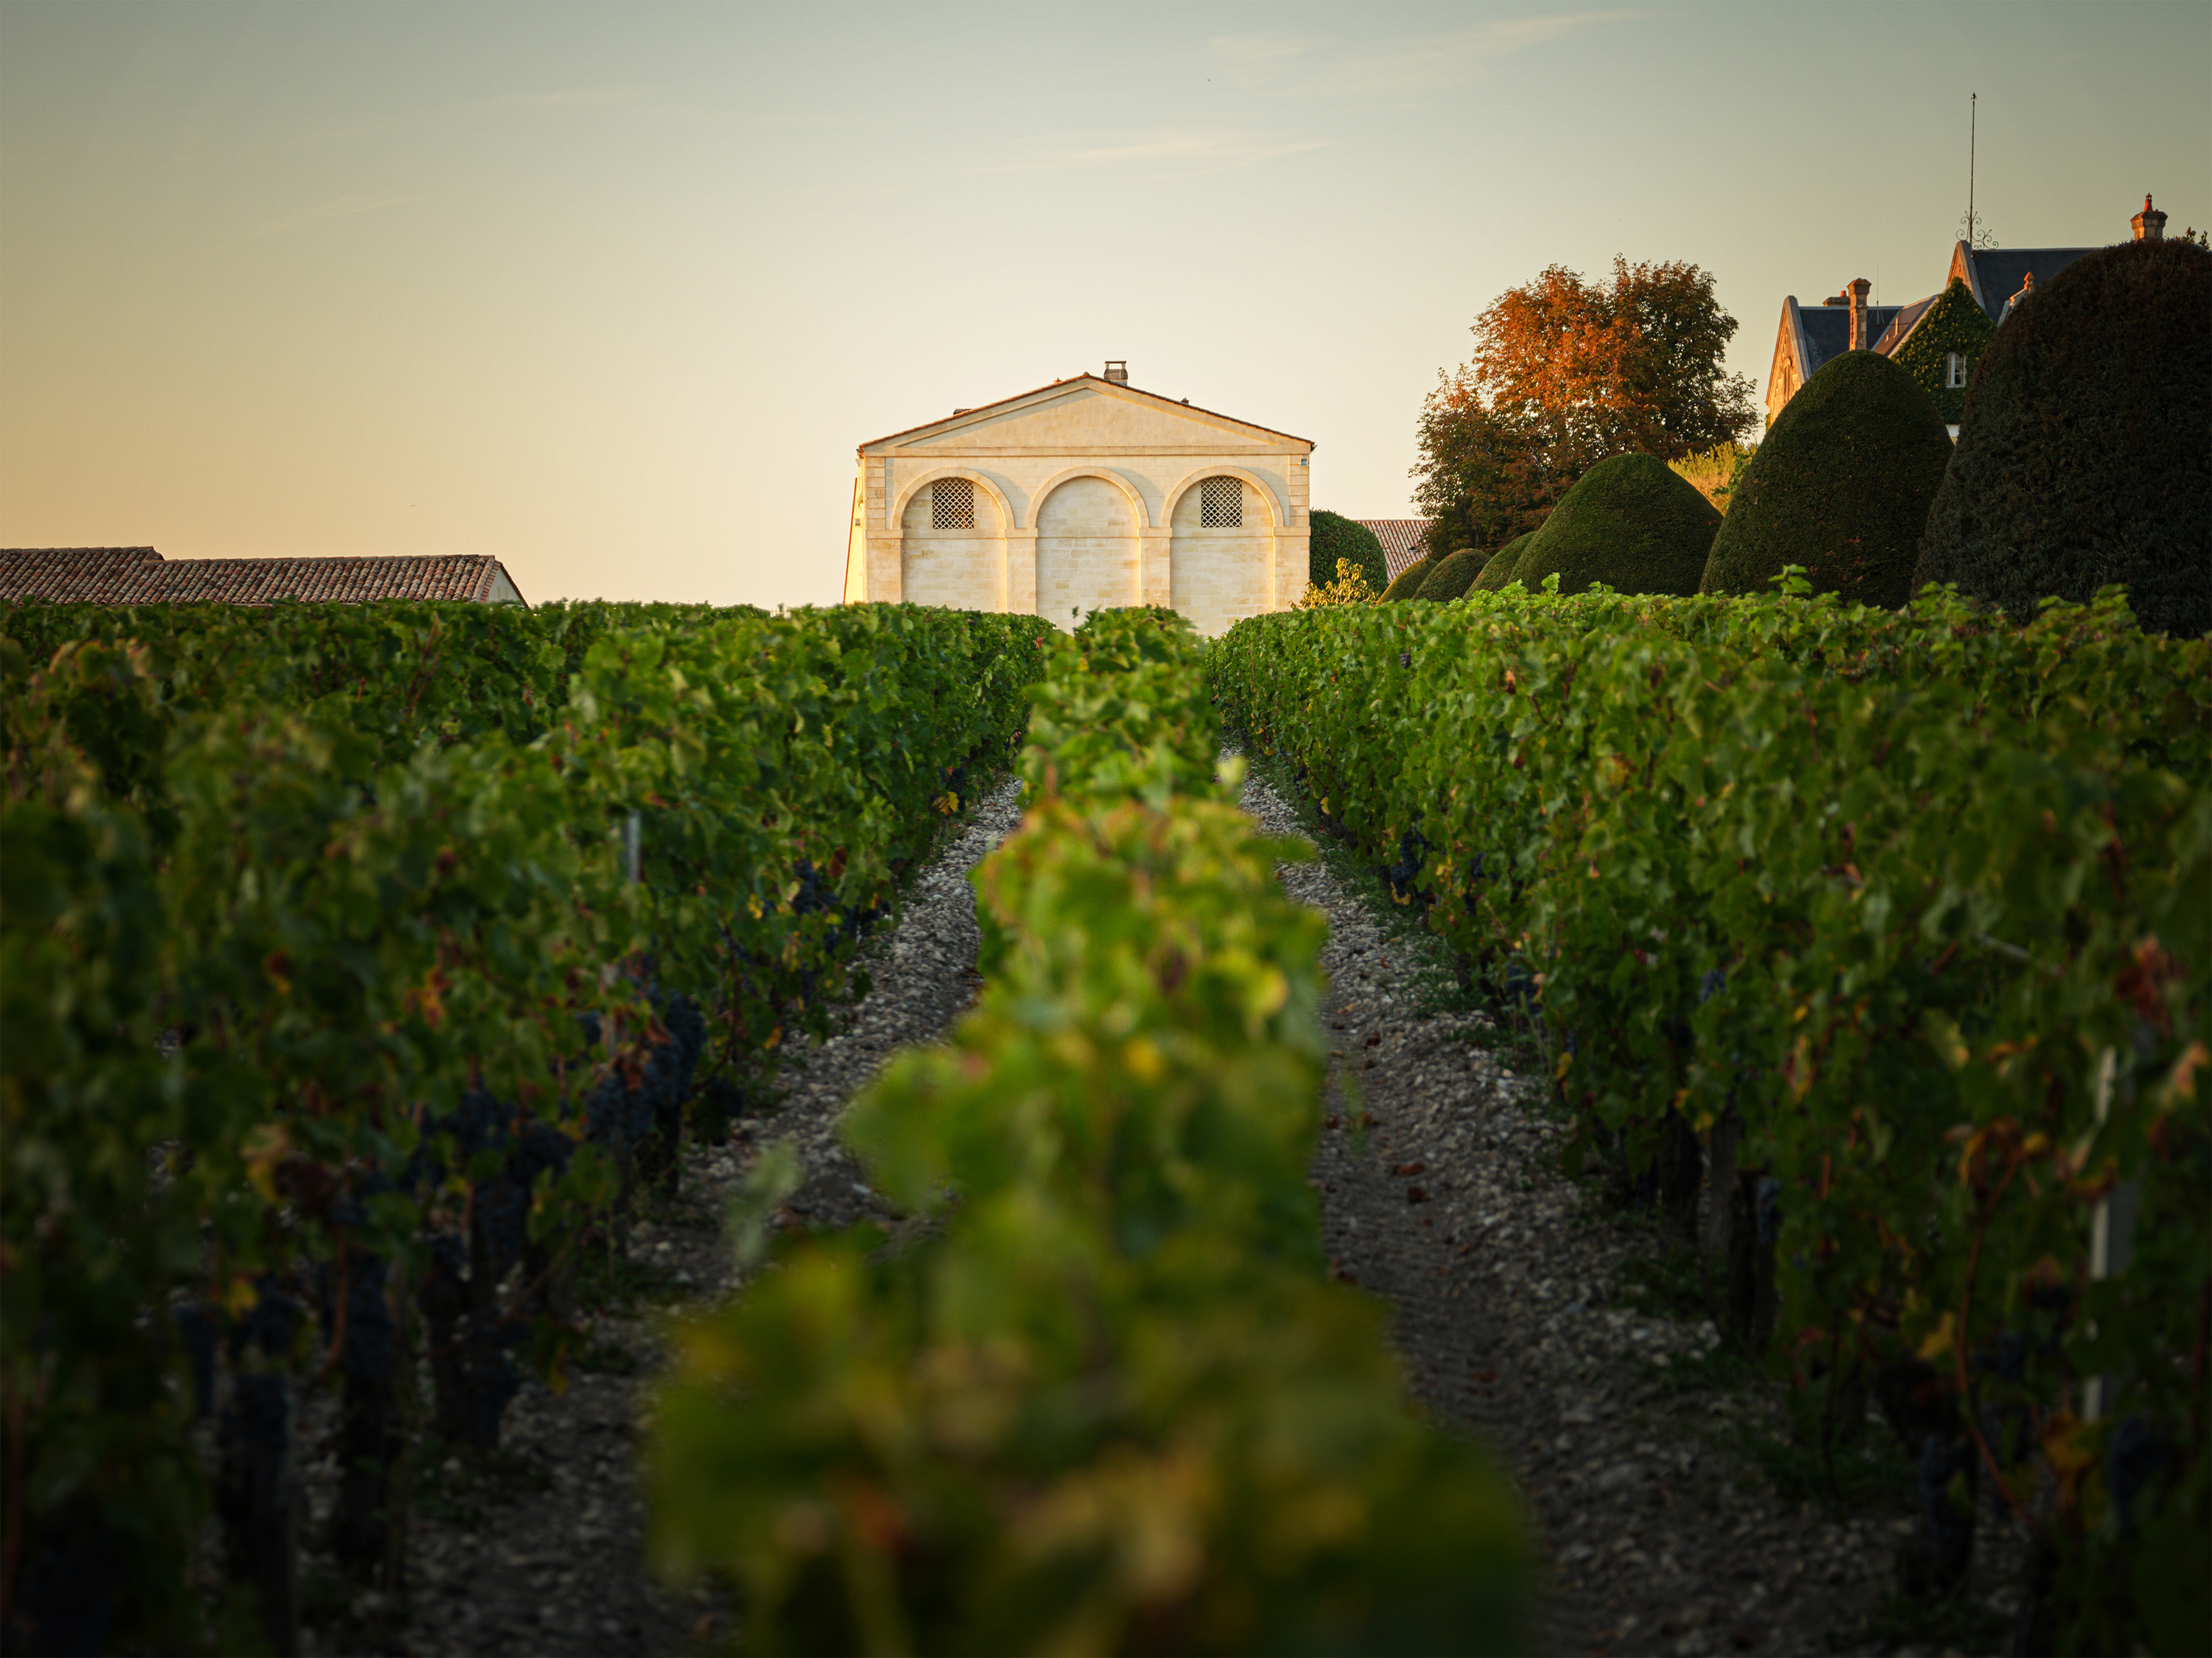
1221, 503
952, 504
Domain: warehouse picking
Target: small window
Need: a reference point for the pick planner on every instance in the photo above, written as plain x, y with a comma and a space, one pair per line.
952, 504
1221, 503
1954, 371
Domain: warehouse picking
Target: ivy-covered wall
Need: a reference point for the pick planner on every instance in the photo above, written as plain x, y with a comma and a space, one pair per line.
1954, 323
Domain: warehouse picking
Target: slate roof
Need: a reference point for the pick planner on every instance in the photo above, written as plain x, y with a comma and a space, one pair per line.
1900, 329
1828, 330
1995, 273
139, 575
1401, 538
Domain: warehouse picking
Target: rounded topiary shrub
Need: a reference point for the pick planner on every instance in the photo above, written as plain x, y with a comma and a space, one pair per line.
1450, 577
2085, 452
1409, 582
1841, 486
1632, 522
1499, 573
1336, 536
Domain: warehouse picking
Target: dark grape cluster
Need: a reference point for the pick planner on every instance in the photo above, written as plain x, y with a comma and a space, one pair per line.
63, 1598
624, 1115
2137, 1457
1939, 1555
1414, 848
472, 1340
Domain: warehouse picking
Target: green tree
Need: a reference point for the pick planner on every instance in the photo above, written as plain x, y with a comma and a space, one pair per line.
1336, 537
1566, 372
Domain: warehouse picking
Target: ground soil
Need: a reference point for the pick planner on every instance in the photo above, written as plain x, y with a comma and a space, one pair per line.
1671, 1511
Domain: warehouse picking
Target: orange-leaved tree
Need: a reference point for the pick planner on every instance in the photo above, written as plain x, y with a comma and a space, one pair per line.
1566, 372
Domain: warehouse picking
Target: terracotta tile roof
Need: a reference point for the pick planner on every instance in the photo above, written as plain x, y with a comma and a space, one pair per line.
139, 575
1401, 538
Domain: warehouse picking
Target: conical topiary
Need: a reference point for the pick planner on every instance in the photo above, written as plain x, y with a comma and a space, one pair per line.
1632, 523
1497, 575
1333, 536
2085, 452
1451, 577
1406, 583
1841, 485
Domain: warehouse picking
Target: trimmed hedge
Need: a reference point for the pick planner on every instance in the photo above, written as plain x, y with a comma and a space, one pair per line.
1499, 573
1841, 486
1336, 537
2085, 455
1632, 523
1454, 575
1408, 583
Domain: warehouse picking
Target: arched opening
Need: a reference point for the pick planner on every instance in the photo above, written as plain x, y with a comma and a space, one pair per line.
1219, 554
952, 546
1086, 550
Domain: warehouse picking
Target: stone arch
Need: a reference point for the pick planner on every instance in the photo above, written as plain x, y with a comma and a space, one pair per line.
1141, 513
1218, 576
963, 569
1090, 531
1007, 516
1278, 514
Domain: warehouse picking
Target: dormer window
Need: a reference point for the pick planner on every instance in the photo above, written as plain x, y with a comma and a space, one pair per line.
1221, 504
1954, 371
952, 504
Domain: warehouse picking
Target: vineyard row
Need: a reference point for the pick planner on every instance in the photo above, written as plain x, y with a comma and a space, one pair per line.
1100, 1395
360, 966
1892, 930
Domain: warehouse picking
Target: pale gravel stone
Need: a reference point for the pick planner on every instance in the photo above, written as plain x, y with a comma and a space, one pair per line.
1658, 1537
563, 1570
1658, 1540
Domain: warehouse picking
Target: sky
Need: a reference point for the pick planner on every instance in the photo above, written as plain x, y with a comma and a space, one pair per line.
612, 292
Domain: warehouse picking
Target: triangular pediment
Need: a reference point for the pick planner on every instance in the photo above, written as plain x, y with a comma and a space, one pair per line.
1088, 416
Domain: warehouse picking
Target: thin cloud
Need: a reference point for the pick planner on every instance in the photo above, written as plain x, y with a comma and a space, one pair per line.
1189, 153
570, 98
343, 207
1412, 64
1263, 48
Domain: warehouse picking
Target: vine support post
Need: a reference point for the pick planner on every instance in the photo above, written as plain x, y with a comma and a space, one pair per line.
2111, 1235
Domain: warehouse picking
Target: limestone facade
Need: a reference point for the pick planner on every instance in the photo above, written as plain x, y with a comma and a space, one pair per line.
1079, 496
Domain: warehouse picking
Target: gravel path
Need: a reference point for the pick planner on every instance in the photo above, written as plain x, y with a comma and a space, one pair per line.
542, 1553
1505, 1278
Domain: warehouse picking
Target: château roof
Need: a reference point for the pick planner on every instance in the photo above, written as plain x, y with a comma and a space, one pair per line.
1995, 274
1401, 538
140, 575
982, 412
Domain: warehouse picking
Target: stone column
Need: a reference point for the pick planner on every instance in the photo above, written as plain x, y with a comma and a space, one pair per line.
1021, 572
1290, 553
1155, 552
887, 567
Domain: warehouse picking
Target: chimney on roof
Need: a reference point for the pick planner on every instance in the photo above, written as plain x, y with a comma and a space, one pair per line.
1117, 370
2149, 224
1858, 292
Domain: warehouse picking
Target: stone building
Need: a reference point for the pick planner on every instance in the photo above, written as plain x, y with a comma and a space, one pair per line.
1995, 278
1083, 495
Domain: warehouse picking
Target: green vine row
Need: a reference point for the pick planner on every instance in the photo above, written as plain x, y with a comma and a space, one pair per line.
1918, 905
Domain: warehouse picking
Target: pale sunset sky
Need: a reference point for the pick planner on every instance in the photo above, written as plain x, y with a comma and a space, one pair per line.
612, 291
